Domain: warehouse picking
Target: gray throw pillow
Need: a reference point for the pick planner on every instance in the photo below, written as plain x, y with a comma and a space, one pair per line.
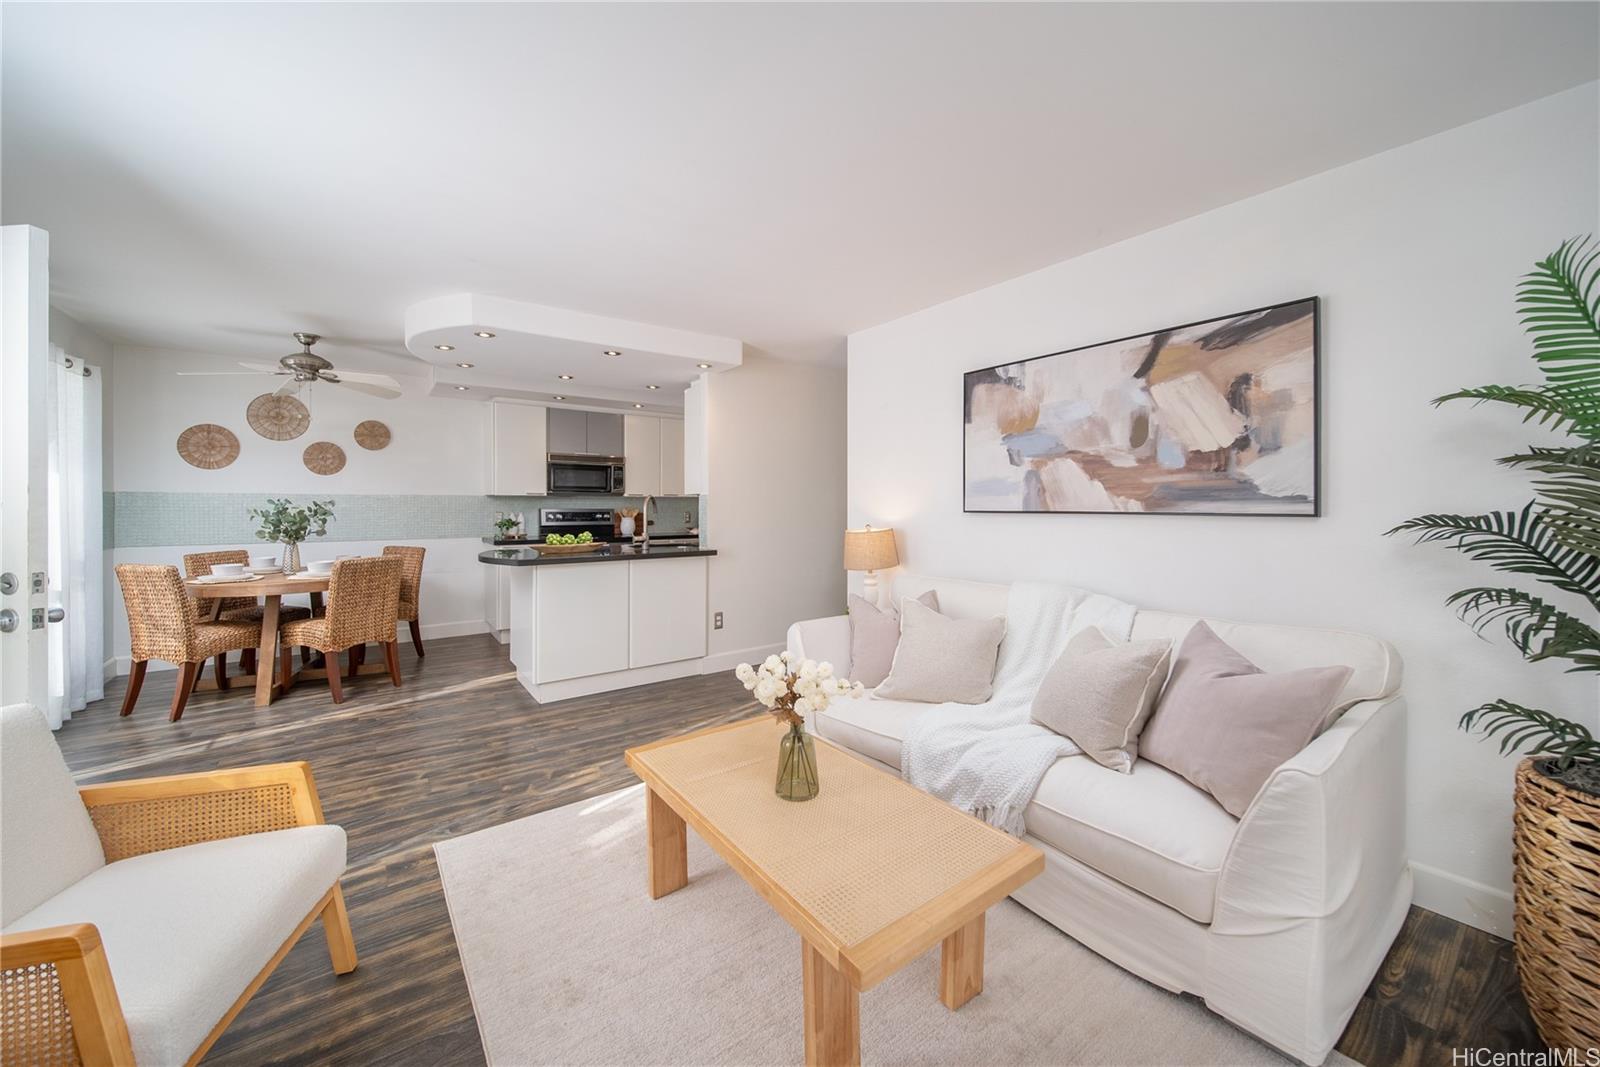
942, 659
1226, 725
1100, 693
874, 635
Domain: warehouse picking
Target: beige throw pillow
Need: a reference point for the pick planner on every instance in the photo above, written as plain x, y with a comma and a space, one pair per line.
1226, 725
942, 659
874, 635
1100, 693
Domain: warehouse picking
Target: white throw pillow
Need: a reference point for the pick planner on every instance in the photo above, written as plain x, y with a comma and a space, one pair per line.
874, 635
941, 660
1100, 693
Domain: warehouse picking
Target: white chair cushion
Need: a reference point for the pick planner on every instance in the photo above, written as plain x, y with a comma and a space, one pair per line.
187, 929
50, 841
1150, 830
869, 726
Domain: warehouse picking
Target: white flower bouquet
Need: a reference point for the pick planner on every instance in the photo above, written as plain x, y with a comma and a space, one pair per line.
792, 688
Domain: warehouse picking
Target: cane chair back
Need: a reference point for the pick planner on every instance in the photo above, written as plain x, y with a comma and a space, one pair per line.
199, 564
363, 601
410, 577
161, 615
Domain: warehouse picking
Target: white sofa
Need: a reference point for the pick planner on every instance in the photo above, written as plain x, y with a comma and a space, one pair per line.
1279, 919
137, 917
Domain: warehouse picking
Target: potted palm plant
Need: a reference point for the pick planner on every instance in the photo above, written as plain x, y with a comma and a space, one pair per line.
1554, 539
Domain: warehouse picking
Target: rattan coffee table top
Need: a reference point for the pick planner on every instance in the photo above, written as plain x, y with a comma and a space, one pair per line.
870, 869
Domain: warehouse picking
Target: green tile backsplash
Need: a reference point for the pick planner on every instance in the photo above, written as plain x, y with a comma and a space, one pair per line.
143, 520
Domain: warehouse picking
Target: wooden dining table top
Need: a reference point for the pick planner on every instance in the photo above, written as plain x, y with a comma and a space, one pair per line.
266, 585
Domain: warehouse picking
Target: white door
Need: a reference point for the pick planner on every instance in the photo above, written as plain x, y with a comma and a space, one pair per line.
24, 362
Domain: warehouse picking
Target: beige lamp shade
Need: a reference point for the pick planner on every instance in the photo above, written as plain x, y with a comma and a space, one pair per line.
869, 550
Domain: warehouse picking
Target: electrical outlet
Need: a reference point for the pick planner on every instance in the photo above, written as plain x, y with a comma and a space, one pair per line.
716, 621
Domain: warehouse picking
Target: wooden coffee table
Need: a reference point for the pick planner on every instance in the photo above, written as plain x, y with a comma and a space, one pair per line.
871, 873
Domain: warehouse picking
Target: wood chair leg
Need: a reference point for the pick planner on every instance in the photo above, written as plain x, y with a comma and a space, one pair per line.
334, 686
336, 926
135, 682
286, 666
358, 656
416, 637
247, 661
222, 671
391, 654
188, 674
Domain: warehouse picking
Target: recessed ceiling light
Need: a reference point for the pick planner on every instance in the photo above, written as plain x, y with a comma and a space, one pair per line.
638, 405
612, 352
703, 366
462, 388
465, 366
445, 348
565, 377
485, 334
652, 387
558, 398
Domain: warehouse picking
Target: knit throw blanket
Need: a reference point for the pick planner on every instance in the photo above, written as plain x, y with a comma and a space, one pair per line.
987, 759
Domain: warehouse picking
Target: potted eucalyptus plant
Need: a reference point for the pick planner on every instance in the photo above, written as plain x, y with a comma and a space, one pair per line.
1553, 539
288, 525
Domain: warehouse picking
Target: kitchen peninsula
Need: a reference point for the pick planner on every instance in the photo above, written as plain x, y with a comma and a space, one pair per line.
620, 616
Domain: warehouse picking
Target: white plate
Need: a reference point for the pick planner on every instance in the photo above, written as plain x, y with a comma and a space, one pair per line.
217, 579
307, 576
264, 571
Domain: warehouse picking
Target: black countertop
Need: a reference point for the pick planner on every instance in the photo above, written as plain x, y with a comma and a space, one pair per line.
530, 556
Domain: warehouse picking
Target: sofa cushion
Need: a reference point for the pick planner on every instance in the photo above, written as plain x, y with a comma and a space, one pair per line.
941, 659
870, 726
874, 635
1150, 830
1100, 692
187, 929
49, 839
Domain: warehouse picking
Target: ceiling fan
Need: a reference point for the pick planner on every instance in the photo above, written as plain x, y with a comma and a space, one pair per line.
306, 367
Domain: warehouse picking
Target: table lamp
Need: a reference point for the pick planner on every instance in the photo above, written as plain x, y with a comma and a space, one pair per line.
870, 550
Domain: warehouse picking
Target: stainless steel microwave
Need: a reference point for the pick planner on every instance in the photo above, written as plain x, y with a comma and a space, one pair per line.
586, 474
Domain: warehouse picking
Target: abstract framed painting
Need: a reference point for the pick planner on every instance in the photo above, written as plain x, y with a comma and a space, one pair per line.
1218, 417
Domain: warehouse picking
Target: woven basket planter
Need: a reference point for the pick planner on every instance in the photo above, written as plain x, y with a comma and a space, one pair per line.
1557, 880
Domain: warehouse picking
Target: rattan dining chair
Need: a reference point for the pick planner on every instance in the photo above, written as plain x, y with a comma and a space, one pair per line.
410, 588
234, 608
162, 625
363, 605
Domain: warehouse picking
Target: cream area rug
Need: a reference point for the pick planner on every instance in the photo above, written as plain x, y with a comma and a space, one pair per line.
570, 962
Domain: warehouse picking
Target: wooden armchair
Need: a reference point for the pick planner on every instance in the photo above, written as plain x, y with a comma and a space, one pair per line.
72, 996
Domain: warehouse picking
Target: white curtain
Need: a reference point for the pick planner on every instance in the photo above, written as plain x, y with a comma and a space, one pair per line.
76, 539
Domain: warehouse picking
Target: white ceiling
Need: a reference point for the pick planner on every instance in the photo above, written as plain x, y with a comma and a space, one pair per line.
215, 176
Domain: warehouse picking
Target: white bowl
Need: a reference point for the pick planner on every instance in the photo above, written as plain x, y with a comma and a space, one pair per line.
263, 562
231, 570
320, 566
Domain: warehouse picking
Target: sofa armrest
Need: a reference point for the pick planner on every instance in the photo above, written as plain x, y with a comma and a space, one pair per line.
1326, 829
824, 640
150, 814
61, 973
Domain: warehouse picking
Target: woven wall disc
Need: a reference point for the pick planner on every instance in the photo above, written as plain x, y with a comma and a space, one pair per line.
278, 418
324, 457
208, 446
372, 435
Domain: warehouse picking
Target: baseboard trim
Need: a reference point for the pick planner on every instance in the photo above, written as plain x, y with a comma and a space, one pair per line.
1462, 899
727, 661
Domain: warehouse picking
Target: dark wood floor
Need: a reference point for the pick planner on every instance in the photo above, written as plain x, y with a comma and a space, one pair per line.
462, 747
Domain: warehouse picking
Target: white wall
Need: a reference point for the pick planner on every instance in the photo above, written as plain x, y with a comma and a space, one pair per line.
775, 462
1416, 253
438, 445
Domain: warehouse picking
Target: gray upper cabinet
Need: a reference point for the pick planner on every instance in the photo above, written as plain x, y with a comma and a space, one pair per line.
568, 431
603, 434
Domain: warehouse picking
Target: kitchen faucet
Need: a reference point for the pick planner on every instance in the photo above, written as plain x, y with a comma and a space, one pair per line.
644, 520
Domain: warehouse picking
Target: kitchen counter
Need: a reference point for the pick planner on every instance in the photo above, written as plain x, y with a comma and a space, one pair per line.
529, 556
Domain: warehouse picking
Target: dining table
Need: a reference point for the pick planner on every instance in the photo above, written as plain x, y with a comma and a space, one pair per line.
272, 588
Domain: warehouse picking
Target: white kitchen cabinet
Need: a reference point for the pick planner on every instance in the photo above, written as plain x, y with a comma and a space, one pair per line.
666, 611
497, 600
517, 442
671, 457
641, 451
580, 620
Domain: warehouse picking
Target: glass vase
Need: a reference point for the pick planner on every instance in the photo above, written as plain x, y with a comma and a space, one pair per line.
291, 557
797, 765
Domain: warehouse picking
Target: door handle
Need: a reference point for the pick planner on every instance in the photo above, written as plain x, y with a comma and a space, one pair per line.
8, 621
55, 614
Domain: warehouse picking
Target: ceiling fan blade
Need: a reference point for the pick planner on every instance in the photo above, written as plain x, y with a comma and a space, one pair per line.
370, 379
262, 368
290, 386
218, 373
371, 388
